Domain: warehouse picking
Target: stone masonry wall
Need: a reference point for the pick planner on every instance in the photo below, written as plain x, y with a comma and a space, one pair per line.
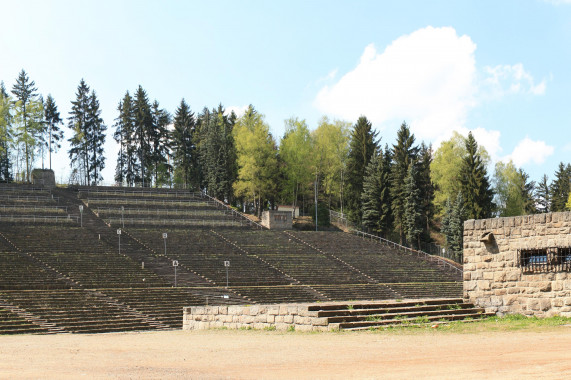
277, 220
259, 317
492, 278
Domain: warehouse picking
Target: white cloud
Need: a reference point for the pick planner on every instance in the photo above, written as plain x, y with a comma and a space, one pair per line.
238, 110
528, 150
502, 80
427, 78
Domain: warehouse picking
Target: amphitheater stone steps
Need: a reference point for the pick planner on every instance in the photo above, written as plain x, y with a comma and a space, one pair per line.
358, 316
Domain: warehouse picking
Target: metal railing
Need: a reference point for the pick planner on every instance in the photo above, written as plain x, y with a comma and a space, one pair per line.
236, 213
36, 198
34, 208
402, 248
39, 218
149, 193
174, 222
158, 211
148, 201
429, 248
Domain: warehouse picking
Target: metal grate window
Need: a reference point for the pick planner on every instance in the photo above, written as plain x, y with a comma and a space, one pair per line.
554, 259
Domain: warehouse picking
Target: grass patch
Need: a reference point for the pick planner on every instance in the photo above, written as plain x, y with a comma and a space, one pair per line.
508, 323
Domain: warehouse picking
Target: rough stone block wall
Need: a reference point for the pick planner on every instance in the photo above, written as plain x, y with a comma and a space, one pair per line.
259, 317
492, 278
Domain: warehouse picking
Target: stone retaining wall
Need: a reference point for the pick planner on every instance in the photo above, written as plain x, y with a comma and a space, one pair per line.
492, 278
280, 317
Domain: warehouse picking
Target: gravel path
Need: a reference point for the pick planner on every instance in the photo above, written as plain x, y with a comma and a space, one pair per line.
279, 355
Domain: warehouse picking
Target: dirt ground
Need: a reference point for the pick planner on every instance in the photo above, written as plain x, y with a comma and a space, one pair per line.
223, 354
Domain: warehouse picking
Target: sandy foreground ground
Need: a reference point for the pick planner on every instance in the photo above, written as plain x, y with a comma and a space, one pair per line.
223, 354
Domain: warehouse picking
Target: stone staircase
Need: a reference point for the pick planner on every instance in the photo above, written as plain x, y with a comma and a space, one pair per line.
360, 316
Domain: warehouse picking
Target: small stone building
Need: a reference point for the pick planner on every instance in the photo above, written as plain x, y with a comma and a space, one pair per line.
277, 220
519, 264
43, 177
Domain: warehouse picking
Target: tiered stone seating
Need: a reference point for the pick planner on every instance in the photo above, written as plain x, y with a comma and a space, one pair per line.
133, 290
11, 323
280, 294
31, 205
205, 253
384, 264
295, 259
158, 207
165, 304
77, 311
80, 255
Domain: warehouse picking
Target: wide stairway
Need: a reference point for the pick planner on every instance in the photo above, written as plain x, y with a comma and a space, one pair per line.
102, 259
360, 316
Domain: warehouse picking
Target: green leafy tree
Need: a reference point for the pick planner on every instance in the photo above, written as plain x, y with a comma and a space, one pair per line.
445, 169
568, 204
474, 183
514, 191
560, 187
362, 146
404, 155
330, 155
413, 213
257, 160
296, 153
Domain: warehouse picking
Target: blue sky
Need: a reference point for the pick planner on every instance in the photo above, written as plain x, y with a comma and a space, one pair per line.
499, 68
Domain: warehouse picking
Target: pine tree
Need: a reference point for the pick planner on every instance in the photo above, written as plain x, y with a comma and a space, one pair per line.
184, 147
371, 196
96, 133
86, 144
455, 238
143, 126
53, 120
160, 143
27, 117
560, 187
386, 214
127, 169
474, 183
5, 134
542, 195
445, 223
404, 155
77, 122
427, 190
413, 214
362, 146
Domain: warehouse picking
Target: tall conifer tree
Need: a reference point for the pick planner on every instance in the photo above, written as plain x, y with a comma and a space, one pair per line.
560, 187
413, 220
362, 146
404, 154
184, 147
474, 183
54, 132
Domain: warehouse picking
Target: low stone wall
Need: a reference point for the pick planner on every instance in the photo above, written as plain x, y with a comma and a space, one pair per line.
494, 279
259, 317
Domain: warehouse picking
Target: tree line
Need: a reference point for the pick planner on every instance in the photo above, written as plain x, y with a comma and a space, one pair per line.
403, 191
